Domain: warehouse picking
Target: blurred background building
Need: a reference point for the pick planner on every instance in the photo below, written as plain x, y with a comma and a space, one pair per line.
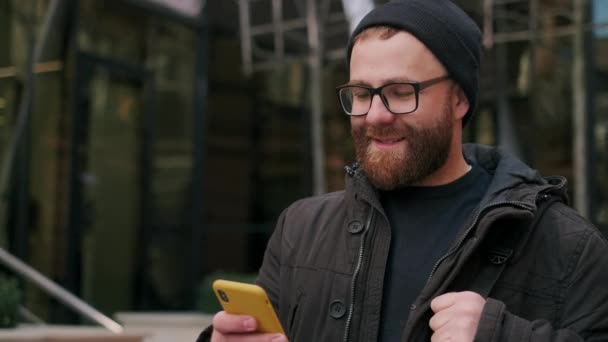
148, 144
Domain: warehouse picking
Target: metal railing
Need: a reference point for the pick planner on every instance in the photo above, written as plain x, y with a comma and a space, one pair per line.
58, 292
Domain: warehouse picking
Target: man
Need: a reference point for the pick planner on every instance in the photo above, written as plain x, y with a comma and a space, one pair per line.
430, 240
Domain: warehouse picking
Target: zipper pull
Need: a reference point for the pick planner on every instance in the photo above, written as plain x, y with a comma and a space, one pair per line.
542, 197
351, 170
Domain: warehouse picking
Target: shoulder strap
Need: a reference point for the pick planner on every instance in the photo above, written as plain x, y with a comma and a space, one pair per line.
500, 253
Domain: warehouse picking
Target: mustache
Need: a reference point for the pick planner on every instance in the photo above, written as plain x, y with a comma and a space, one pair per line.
369, 132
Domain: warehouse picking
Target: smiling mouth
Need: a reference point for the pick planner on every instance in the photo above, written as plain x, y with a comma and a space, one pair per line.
387, 141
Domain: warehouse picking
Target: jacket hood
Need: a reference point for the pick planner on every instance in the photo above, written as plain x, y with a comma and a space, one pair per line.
512, 179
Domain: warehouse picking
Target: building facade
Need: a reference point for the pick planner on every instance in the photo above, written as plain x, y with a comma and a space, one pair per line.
139, 160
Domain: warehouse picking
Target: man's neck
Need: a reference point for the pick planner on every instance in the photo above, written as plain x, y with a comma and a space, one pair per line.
454, 168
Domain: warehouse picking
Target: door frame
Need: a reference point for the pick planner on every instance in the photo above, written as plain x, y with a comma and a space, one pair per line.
85, 64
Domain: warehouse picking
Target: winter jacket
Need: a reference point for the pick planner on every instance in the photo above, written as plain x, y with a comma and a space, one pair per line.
324, 265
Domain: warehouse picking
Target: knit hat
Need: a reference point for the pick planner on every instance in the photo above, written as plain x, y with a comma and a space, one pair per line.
444, 28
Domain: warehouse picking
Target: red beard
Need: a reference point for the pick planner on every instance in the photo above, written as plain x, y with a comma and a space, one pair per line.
424, 151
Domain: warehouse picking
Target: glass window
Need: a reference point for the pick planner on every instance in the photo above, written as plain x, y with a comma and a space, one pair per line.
600, 129
32, 237
171, 58
110, 29
600, 15
111, 199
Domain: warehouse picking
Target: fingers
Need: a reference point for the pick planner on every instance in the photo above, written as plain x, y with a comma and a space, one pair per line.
447, 300
252, 337
229, 324
439, 320
445, 335
443, 302
240, 328
456, 317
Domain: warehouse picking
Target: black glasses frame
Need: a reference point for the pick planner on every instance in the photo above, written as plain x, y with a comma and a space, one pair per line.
418, 86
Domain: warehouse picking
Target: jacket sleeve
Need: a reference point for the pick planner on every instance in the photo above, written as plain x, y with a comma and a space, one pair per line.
269, 274
584, 312
205, 336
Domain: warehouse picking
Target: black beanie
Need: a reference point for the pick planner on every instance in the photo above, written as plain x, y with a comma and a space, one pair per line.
444, 28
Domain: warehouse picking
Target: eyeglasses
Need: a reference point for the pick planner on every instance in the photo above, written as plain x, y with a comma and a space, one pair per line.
398, 98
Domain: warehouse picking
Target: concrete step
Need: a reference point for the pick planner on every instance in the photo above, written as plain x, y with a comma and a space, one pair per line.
139, 327
165, 326
66, 333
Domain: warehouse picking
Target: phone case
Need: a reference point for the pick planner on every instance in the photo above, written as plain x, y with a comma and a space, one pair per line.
248, 299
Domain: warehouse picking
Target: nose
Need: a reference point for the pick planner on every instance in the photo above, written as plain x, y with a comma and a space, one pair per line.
378, 113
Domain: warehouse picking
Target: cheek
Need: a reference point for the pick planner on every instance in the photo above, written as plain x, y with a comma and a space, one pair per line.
357, 121
419, 118
429, 112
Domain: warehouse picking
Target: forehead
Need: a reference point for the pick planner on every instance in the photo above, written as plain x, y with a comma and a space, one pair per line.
375, 58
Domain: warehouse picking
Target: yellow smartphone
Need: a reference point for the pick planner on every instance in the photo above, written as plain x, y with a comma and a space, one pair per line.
248, 299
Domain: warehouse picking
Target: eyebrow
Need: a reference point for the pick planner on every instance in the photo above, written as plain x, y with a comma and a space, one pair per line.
386, 81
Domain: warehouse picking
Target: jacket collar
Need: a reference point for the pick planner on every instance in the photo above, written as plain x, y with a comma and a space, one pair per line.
512, 179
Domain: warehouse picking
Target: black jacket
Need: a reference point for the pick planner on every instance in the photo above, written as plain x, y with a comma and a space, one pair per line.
324, 265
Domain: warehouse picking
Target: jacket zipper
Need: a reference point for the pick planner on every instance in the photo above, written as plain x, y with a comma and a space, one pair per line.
470, 228
353, 283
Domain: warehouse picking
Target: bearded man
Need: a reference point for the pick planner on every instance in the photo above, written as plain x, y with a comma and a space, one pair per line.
431, 239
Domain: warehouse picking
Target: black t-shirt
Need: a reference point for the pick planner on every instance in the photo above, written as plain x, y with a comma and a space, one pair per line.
424, 221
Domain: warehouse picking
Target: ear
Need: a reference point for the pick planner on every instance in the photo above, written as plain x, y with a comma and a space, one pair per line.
459, 102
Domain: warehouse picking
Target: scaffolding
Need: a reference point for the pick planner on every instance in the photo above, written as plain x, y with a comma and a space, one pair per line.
534, 21
305, 26
507, 21
503, 21
296, 31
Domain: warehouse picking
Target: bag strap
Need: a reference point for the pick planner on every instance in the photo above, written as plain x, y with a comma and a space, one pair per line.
500, 253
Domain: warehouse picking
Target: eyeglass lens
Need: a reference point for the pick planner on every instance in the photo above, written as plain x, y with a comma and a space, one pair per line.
398, 97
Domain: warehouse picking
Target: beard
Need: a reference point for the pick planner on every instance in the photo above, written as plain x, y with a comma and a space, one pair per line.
423, 152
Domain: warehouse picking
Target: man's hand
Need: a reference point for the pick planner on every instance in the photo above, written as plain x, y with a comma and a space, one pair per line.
456, 316
240, 328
